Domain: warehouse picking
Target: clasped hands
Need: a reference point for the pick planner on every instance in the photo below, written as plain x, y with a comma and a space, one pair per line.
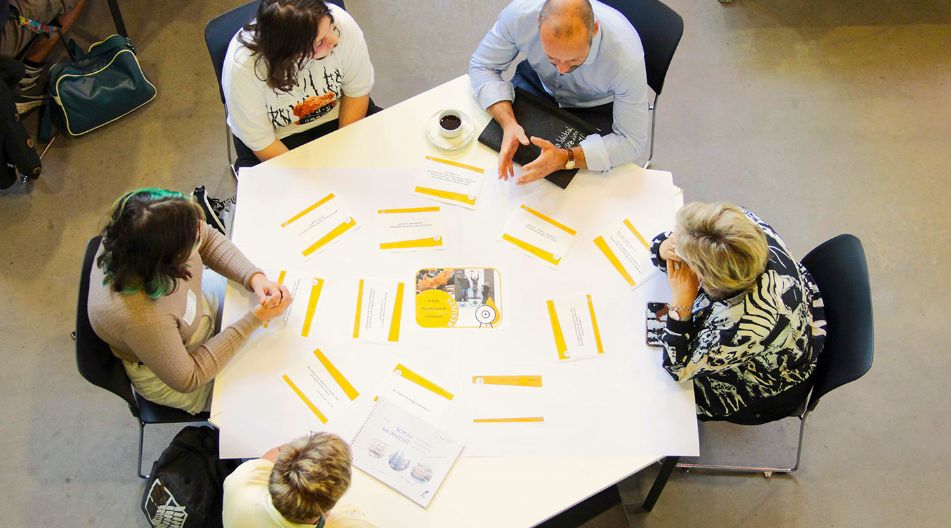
273, 298
550, 160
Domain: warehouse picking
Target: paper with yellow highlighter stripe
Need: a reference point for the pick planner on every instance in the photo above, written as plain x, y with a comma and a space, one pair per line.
323, 220
425, 393
574, 326
627, 251
515, 397
450, 181
410, 229
538, 235
300, 318
320, 386
379, 310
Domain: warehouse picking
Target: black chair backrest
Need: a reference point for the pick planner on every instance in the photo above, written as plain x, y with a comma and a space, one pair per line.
841, 271
221, 29
660, 29
95, 360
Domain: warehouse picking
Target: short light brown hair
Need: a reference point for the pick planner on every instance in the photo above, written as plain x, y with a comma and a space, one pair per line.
722, 245
309, 477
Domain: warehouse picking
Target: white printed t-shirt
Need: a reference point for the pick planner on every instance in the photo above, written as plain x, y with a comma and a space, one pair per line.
258, 114
247, 502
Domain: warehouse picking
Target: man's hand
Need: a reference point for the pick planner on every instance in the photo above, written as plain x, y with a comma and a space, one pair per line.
512, 135
550, 160
684, 283
270, 293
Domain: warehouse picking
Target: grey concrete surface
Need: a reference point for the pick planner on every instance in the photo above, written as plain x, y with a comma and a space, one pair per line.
823, 117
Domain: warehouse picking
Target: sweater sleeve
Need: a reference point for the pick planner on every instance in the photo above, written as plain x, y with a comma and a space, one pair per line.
158, 344
658, 262
221, 255
694, 351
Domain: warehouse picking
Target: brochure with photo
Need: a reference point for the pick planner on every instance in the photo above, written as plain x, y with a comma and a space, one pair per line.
403, 451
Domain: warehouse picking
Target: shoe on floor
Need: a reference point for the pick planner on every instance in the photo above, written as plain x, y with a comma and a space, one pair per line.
31, 90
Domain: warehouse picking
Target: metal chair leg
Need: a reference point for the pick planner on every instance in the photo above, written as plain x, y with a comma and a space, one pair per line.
138, 466
652, 108
766, 471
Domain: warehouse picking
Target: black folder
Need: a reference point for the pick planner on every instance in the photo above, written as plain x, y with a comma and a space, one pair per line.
540, 118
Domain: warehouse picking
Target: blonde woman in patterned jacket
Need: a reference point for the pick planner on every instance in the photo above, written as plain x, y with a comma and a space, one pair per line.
745, 322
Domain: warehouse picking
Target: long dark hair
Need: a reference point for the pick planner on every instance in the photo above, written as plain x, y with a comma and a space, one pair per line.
146, 244
283, 36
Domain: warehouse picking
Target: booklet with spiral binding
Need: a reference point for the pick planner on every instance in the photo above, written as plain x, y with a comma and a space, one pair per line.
404, 451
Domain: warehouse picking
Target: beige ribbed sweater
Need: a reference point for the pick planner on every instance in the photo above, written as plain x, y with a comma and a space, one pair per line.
154, 331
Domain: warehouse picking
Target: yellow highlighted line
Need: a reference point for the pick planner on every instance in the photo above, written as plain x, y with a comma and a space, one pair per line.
403, 244
311, 306
529, 419
433, 209
473, 168
612, 258
356, 320
517, 381
280, 280
560, 345
409, 375
446, 195
594, 325
316, 204
337, 376
397, 314
337, 231
550, 220
538, 252
313, 408
637, 233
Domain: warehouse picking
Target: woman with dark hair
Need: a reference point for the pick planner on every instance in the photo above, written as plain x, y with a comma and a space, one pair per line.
152, 300
299, 71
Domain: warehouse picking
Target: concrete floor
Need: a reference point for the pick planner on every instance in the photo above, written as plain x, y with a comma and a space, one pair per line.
823, 117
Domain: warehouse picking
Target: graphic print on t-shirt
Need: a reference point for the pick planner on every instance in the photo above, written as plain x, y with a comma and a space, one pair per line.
312, 99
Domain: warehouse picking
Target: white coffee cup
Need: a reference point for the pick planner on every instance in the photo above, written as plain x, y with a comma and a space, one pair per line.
450, 123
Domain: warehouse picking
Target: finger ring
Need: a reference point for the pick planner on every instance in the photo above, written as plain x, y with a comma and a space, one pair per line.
676, 266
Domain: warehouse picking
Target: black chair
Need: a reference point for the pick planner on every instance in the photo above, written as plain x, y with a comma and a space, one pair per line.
841, 271
218, 34
660, 29
102, 368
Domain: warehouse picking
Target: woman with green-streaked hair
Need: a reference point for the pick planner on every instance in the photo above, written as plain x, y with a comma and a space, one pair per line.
153, 301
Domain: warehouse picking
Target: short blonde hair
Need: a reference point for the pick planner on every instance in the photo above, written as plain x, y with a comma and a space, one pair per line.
309, 477
722, 245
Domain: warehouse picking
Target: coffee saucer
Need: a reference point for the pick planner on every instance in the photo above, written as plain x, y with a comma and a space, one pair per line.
454, 143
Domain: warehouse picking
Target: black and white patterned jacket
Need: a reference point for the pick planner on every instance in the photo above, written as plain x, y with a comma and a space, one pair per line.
753, 345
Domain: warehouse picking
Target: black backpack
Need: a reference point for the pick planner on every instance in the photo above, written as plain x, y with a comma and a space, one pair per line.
184, 488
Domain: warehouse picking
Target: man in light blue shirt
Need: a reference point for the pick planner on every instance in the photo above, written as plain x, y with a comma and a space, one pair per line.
588, 58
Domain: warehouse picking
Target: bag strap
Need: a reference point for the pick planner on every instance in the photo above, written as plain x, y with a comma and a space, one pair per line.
44, 128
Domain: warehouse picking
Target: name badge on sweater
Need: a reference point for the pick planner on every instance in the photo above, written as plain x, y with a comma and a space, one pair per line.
191, 308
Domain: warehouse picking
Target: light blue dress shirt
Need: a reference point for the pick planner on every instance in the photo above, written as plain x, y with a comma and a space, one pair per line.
613, 71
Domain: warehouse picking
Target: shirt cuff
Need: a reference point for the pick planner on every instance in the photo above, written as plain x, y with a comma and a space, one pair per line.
492, 92
595, 153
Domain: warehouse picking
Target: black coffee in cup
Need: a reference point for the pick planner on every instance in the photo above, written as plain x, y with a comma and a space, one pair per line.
450, 122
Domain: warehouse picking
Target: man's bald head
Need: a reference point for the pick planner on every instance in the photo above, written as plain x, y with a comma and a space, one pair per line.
567, 19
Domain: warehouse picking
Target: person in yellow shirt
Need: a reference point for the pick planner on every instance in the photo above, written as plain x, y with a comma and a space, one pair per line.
295, 485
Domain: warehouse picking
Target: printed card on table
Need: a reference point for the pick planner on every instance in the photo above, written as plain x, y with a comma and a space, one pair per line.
538, 235
574, 326
300, 316
379, 310
628, 252
458, 298
513, 397
321, 387
319, 224
451, 182
410, 229
416, 391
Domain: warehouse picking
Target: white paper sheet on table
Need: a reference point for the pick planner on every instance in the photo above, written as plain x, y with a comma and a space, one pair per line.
574, 326
305, 289
627, 250
538, 235
378, 314
411, 229
450, 181
318, 224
